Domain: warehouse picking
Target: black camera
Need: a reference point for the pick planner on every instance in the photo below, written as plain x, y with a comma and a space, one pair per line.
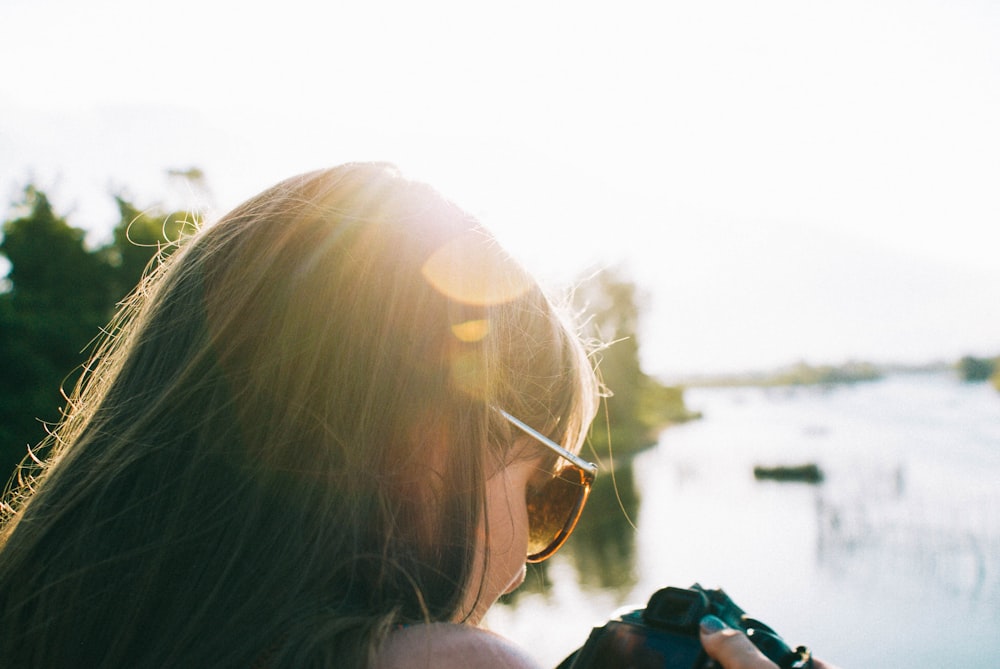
664, 635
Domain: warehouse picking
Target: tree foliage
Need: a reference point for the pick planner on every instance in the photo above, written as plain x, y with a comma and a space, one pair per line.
57, 295
973, 369
637, 406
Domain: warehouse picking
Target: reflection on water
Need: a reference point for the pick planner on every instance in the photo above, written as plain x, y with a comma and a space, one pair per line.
887, 537
893, 560
603, 546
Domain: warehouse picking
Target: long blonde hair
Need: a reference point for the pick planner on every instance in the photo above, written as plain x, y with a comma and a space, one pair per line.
279, 451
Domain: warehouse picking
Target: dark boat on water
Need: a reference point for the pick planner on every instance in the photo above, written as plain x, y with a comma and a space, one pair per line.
807, 473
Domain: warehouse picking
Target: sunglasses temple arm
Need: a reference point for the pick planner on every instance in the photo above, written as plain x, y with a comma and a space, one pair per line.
588, 467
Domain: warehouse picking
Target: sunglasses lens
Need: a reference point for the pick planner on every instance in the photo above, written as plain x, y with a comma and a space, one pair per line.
553, 509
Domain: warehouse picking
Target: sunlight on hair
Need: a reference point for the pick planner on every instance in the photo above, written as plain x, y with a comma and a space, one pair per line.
471, 331
474, 270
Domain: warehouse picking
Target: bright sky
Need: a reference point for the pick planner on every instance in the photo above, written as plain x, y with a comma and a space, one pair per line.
787, 179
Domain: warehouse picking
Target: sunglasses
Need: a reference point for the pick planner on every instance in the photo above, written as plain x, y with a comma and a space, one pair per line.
555, 506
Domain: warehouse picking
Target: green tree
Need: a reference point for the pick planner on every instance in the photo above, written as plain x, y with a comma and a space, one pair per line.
638, 406
57, 296
56, 301
974, 369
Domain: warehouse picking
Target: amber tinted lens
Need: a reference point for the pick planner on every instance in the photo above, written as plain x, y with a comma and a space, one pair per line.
553, 509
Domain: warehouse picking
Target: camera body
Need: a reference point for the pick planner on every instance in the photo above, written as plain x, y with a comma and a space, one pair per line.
665, 635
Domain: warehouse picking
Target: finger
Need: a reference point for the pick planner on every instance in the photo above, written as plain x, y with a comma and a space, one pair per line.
820, 664
731, 648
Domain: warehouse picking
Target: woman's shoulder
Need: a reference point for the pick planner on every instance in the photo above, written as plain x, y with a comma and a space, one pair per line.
447, 646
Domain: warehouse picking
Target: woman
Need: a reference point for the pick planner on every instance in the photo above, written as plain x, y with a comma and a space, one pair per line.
328, 432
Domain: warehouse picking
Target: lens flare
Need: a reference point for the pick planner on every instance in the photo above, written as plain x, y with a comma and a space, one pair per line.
471, 331
473, 269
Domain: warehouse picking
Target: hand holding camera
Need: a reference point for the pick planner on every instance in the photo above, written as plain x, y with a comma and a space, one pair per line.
666, 635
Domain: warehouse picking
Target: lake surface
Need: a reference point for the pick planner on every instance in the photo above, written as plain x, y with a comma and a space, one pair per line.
893, 560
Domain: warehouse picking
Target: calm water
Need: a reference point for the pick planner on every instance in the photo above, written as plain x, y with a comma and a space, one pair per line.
892, 561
